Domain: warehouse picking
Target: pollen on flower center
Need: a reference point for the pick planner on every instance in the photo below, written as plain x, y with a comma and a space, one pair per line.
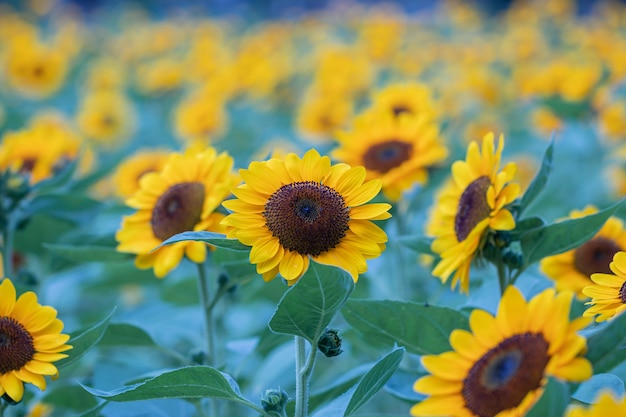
595, 256
16, 345
473, 207
506, 374
385, 156
178, 210
307, 217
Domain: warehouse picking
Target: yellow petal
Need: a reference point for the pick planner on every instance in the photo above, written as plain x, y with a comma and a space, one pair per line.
7, 297
12, 385
292, 266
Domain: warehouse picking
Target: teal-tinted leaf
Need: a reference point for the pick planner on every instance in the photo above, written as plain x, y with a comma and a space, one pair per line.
588, 391
419, 243
523, 226
95, 411
58, 180
215, 239
83, 340
191, 382
337, 386
539, 182
82, 254
562, 236
124, 334
309, 306
419, 328
607, 347
69, 207
71, 397
374, 380
553, 402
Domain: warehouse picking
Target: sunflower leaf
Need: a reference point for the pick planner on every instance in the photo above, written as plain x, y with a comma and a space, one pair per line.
192, 382
421, 329
607, 347
95, 411
83, 340
82, 253
215, 239
539, 182
125, 334
562, 236
72, 208
553, 401
374, 380
308, 307
588, 391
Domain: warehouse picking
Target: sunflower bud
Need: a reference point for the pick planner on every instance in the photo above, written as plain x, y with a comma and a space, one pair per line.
17, 185
274, 401
198, 356
330, 343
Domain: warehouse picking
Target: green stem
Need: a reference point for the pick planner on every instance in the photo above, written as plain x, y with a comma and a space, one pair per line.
7, 249
503, 279
303, 374
3, 406
207, 307
199, 408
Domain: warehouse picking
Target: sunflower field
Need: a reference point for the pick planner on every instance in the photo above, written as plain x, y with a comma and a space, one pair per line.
349, 210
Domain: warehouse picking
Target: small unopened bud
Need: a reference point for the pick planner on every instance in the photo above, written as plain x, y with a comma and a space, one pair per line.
274, 400
330, 343
17, 185
513, 259
198, 356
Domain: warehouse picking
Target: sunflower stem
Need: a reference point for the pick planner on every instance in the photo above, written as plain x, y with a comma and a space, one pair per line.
303, 373
7, 249
3, 406
503, 278
207, 307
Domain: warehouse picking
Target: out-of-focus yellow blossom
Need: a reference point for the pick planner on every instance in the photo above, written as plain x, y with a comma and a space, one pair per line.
200, 115
319, 116
405, 98
342, 71
106, 117
160, 75
208, 54
14, 29
381, 33
128, 173
105, 73
612, 120
69, 37
40, 410
545, 121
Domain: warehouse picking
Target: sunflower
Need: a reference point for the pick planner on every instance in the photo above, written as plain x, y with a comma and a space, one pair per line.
30, 340
183, 196
106, 117
500, 368
469, 206
608, 291
571, 270
292, 210
606, 405
397, 149
406, 98
129, 172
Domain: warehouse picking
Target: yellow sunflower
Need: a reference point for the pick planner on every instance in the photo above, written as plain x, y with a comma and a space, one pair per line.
397, 149
30, 340
469, 206
608, 291
405, 98
106, 117
606, 405
183, 196
500, 368
129, 172
292, 210
571, 270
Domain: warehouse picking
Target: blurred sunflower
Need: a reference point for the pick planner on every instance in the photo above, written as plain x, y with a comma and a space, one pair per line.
608, 291
397, 149
31, 340
605, 405
129, 172
293, 210
319, 115
469, 207
500, 368
40, 410
405, 98
106, 117
183, 196
571, 270
201, 115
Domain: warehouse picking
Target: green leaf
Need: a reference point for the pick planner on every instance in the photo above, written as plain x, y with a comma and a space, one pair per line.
124, 334
309, 306
422, 329
607, 347
525, 225
58, 179
95, 411
82, 254
553, 402
588, 391
215, 239
539, 182
374, 380
83, 340
418, 243
71, 397
193, 382
340, 384
69, 207
562, 236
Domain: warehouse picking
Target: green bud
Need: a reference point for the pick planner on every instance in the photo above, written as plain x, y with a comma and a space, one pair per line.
198, 356
330, 343
274, 400
513, 259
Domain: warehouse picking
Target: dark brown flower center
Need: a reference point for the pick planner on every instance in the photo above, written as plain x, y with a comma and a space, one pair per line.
16, 345
385, 156
502, 378
178, 210
307, 217
473, 207
399, 109
28, 165
622, 293
595, 255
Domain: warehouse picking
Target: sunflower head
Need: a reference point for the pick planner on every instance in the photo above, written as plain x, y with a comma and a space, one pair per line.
470, 206
501, 367
183, 196
30, 341
129, 172
608, 290
292, 210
